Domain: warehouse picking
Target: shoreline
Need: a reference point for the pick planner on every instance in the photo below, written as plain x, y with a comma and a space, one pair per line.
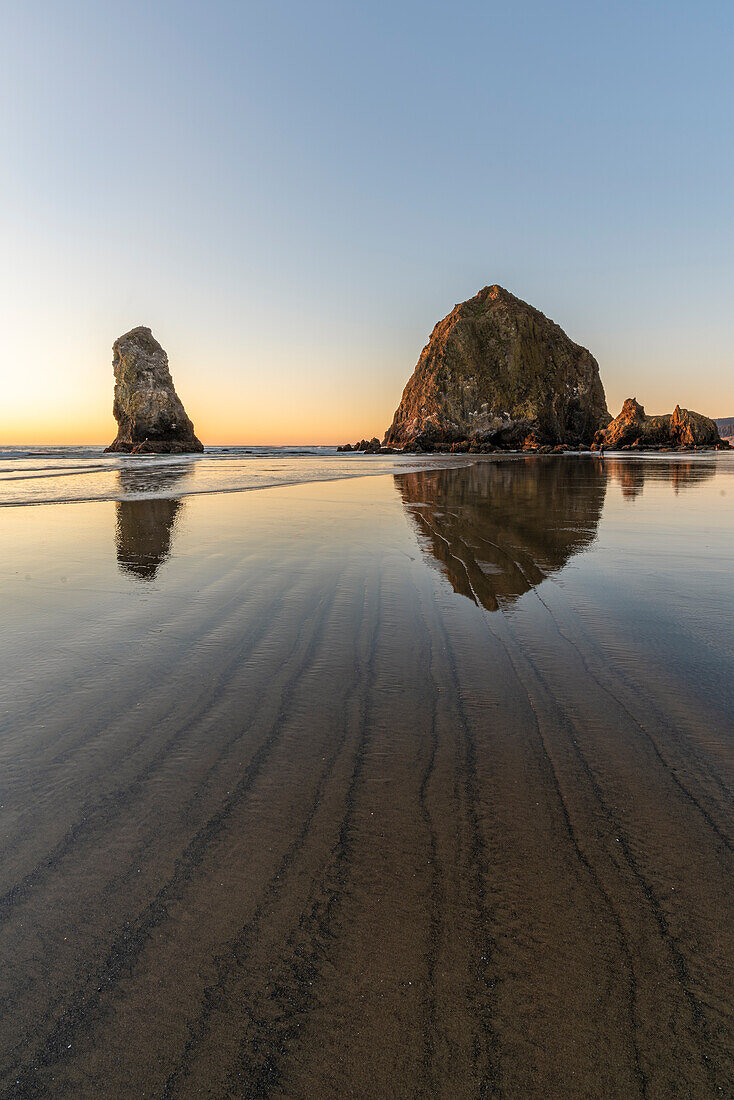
424, 461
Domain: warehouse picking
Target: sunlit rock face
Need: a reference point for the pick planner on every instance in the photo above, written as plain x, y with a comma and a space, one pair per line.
498, 529
496, 370
150, 416
681, 428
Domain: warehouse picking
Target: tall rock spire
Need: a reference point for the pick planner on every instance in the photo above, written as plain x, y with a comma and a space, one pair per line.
150, 416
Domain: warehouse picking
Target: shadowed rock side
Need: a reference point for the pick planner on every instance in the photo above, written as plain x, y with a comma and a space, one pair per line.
151, 418
681, 428
497, 371
498, 529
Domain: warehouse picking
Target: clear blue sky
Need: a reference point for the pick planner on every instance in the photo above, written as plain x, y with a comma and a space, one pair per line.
292, 194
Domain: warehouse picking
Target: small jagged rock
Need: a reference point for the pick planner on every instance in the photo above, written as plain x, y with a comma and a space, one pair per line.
633, 428
369, 446
150, 416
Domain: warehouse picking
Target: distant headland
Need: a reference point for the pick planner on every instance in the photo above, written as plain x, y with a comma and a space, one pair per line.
725, 424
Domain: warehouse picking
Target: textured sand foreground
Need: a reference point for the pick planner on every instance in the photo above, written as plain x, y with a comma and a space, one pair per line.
403, 786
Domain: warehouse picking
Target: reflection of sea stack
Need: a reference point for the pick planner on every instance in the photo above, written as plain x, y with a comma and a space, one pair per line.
679, 473
143, 534
144, 527
496, 371
148, 411
497, 529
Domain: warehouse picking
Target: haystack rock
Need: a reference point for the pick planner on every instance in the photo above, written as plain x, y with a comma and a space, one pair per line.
498, 372
681, 428
148, 411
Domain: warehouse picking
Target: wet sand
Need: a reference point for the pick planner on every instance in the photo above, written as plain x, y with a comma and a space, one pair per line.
415, 785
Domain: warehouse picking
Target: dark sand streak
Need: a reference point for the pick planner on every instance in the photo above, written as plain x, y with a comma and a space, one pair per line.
670, 767
677, 955
586, 864
129, 944
101, 814
259, 1069
436, 872
144, 684
235, 954
487, 1056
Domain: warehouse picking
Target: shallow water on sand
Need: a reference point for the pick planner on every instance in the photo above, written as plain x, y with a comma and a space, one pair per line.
60, 475
417, 784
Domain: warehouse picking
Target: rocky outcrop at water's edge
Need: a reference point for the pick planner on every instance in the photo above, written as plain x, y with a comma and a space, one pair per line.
150, 416
498, 374
369, 446
682, 429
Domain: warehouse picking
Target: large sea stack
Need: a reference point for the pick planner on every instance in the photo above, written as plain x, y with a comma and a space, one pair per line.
682, 429
148, 411
496, 371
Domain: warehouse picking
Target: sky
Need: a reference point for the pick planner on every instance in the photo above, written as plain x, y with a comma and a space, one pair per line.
291, 195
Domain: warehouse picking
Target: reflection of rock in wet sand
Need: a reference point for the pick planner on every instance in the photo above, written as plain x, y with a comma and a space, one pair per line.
143, 535
144, 527
499, 528
631, 474
322, 835
149, 477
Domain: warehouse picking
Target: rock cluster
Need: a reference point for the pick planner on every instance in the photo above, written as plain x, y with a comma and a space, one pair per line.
498, 374
148, 411
369, 446
681, 429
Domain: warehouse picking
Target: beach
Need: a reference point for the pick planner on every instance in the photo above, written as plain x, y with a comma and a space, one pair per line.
414, 777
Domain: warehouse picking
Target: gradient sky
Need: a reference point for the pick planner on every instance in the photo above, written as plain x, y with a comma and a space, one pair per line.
291, 195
